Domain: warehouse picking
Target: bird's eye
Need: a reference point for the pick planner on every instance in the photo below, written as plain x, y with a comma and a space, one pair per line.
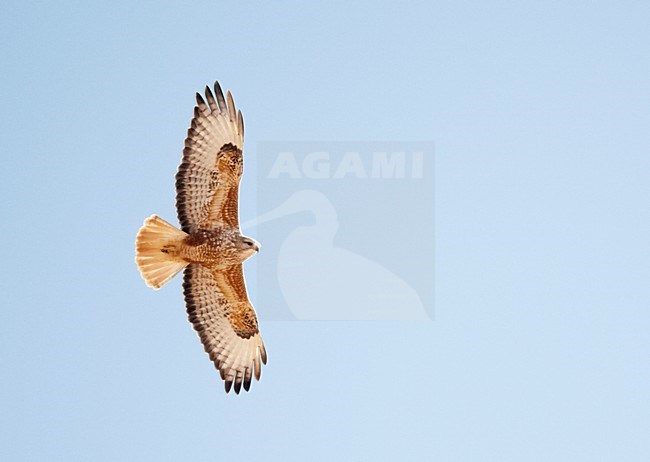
250, 244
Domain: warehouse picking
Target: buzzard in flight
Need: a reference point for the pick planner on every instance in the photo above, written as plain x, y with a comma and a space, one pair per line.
209, 246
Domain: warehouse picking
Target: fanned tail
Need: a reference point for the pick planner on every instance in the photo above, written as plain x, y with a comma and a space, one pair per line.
155, 251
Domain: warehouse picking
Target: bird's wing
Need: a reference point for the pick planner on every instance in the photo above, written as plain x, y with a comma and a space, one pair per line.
207, 182
219, 309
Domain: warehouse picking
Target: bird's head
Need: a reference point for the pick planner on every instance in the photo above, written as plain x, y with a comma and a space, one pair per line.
247, 247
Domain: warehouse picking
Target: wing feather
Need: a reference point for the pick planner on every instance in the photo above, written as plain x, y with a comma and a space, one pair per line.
220, 98
201, 103
258, 366
240, 123
231, 108
223, 317
207, 182
211, 101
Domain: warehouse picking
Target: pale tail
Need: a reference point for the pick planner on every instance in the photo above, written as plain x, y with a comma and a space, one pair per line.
154, 251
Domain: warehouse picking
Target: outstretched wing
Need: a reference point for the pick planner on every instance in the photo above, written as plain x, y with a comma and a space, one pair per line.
222, 315
207, 182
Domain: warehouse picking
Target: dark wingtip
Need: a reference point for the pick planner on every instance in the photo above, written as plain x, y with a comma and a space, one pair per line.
228, 385
248, 376
237, 386
210, 98
199, 99
218, 92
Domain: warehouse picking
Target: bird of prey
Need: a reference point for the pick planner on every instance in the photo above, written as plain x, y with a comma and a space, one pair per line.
209, 246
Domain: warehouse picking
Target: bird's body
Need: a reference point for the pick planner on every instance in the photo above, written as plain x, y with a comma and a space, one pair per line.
216, 249
209, 246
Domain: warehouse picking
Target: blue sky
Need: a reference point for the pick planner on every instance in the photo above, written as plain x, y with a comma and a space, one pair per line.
539, 112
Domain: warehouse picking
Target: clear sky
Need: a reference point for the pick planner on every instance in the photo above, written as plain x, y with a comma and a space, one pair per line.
539, 346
